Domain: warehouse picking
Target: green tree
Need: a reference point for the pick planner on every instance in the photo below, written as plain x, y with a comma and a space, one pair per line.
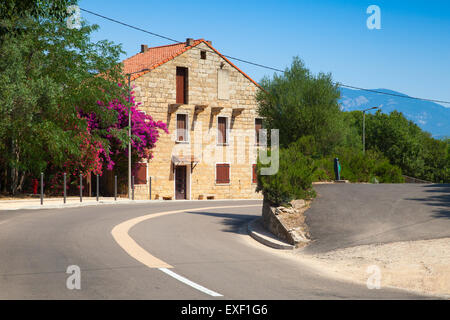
299, 104
12, 13
48, 73
405, 145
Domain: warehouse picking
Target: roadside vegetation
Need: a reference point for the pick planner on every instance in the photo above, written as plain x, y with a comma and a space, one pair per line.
313, 130
63, 101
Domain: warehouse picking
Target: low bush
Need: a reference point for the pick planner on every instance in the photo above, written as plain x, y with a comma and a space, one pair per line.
358, 167
292, 181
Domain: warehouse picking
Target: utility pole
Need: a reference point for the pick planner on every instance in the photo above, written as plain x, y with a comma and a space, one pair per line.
129, 129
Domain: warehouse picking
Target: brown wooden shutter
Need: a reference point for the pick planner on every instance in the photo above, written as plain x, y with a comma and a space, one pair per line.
141, 174
222, 130
181, 85
254, 174
222, 173
181, 127
258, 127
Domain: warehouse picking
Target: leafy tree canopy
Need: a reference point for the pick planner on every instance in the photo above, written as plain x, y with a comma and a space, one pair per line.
47, 75
299, 104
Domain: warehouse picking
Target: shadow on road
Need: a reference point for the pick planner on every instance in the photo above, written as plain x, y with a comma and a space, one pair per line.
439, 198
232, 221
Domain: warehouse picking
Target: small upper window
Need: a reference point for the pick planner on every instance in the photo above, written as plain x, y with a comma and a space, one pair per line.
203, 54
222, 130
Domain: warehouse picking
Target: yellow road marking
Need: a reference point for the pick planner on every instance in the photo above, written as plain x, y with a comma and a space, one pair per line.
120, 234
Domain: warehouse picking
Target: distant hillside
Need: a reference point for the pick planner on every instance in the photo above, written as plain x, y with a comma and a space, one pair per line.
429, 116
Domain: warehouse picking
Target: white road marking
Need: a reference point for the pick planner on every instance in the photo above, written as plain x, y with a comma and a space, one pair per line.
190, 283
120, 234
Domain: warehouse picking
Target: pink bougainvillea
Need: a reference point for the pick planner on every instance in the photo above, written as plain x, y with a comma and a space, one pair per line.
145, 132
105, 148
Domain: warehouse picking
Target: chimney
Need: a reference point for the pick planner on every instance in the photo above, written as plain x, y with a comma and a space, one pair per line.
189, 42
209, 42
144, 48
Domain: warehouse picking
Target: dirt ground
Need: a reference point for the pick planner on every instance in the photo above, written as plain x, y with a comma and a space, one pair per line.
422, 266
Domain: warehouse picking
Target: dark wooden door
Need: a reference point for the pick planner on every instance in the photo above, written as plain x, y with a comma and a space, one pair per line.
180, 183
181, 85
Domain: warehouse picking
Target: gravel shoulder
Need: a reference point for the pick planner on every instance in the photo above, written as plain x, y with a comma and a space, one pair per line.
404, 230
422, 265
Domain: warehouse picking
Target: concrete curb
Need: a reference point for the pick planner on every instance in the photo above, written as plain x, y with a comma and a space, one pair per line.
257, 232
95, 203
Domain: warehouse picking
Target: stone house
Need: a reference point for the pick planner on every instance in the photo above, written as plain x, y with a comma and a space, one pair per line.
209, 106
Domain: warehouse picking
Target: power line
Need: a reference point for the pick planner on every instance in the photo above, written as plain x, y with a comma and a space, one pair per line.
173, 40
260, 65
392, 94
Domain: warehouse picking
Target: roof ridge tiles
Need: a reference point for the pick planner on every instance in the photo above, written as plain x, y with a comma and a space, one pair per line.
156, 56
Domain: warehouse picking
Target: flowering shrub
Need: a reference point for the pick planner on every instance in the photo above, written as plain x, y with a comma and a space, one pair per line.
106, 146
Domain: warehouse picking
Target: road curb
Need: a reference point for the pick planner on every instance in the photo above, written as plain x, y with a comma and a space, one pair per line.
257, 232
99, 203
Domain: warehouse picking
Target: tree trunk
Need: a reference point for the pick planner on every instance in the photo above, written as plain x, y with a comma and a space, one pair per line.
14, 172
21, 181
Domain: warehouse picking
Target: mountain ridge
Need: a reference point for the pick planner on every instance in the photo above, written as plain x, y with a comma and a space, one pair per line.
429, 116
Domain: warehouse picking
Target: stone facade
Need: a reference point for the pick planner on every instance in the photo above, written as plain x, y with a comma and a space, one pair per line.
156, 91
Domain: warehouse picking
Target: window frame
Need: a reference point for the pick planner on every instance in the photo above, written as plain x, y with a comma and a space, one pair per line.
186, 85
257, 142
227, 130
229, 174
146, 174
187, 127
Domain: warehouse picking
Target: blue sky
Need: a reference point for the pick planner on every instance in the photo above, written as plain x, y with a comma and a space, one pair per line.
410, 54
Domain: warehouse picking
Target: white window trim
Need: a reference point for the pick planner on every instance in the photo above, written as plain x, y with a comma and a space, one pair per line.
227, 130
215, 174
188, 136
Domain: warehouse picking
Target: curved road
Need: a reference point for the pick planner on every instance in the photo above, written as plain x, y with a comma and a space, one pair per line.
208, 247
347, 215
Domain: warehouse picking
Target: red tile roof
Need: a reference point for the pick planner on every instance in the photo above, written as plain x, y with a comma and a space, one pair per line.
156, 56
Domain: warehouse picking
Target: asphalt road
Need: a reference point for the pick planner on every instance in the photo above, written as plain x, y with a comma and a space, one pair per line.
347, 215
208, 247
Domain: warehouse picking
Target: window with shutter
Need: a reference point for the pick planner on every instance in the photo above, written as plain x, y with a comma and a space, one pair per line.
254, 174
222, 130
182, 85
258, 127
222, 173
182, 134
141, 174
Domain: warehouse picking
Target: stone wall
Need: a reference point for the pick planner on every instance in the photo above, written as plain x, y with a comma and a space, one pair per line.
156, 90
296, 233
274, 225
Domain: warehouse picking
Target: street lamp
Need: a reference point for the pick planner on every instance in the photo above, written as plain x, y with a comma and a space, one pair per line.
129, 129
364, 126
